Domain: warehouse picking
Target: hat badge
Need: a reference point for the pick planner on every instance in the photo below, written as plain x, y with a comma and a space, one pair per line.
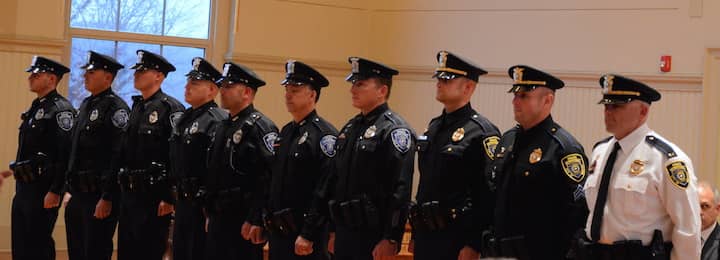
518, 74
442, 60
34, 61
140, 56
607, 83
355, 65
226, 69
196, 63
290, 67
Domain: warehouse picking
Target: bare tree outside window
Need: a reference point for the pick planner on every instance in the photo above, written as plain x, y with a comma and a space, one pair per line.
113, 19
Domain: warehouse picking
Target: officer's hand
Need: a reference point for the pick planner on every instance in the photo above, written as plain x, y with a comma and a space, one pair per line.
303, 246
165, 208
4, 174
411, 246
385, 250
331, 243
256, 235
245, 230
51, 200
207, 222
66, 199
468, 253
102, 209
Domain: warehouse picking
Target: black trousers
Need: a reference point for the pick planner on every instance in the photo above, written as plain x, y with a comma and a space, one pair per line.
31, 224
355, 244
142, 234
282, 247
89, 238
445, 244
224, 239
188, 231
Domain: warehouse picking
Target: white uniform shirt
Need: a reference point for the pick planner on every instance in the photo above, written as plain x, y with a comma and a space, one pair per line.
643, 195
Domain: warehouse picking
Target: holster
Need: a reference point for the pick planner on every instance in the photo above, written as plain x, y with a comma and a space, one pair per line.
490, 247
85, 181
355, 214
28, 171
431, 216
282, 222
228, 200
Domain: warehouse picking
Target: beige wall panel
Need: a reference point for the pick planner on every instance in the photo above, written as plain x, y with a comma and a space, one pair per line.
46, 22
300, 30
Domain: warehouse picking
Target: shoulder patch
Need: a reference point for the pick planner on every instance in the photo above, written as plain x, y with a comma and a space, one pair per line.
327, 145
574, 166
490, 143
678, 174
269, 140
175, 118
120, 118
664, 147
401, 139
65, 120
607, 139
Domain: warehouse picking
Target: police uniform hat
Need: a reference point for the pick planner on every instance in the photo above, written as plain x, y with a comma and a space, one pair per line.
528, 78
617, 89
451, 66
42, 64
203, 70
148, 60
298, 73
236, 73
365, 69
97, 61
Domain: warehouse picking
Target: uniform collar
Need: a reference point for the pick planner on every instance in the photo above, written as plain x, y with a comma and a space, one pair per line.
546, 124
370, 117
634, 138
705, 233
462, 113
49, 95
244, 113
139, 98
205, 106
309, 116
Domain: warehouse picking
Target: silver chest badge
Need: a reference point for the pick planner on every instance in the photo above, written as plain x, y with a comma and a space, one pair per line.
237, 136
153, 118
370, 131
39, 114
194, 128
303, 138
94, 115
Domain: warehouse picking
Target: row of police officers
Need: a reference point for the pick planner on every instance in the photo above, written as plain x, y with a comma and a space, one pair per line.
234, 181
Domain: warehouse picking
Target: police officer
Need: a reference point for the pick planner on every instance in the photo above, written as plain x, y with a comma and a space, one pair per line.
41, 161
304, 150
188, 156
370, 190
147, 200
641, 190
454, 201
91, 214
239, 169
540, 169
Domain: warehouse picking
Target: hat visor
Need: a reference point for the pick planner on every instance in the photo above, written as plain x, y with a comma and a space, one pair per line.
614, 100
138, 66
519, 87
445, 75
355, 77
88, 66
293, 82
34, 69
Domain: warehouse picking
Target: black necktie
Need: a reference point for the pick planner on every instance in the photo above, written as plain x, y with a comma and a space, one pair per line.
602, 195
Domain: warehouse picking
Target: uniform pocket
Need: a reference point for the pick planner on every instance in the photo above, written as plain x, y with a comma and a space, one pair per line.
632, 194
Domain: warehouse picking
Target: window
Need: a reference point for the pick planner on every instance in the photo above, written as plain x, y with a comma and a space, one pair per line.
176, 29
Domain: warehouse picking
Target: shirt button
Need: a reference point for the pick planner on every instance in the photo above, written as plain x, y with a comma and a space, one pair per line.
526, 173
296, 154
149, 131
449, 149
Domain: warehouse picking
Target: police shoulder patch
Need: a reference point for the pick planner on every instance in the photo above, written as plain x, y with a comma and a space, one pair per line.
120, 118
327, 145
401, 139
64, 120
489, 144
175, 118
574, 166
269, 140
678, 173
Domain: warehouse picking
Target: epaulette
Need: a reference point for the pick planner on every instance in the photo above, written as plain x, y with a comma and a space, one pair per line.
563, 137
324, 128
484, 123
661, 145
602, 141
218, 114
